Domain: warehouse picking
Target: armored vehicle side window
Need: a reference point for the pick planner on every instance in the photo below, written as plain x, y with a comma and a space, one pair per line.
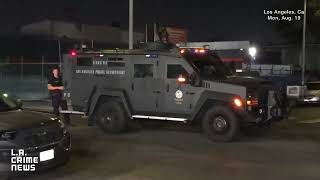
209, 66
174, 70
87, 61
143, 70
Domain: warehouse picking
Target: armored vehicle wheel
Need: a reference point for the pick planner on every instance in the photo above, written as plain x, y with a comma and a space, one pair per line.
220, 124
111, 117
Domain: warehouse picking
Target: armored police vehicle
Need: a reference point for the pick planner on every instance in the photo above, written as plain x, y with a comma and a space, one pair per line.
187, 84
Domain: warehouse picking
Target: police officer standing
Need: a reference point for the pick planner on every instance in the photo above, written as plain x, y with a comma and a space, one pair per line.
55, 87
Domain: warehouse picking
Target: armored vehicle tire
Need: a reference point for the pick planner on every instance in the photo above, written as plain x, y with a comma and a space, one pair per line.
220, 124
111, 117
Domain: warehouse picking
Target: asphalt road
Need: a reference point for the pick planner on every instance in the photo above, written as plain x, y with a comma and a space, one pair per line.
290, 150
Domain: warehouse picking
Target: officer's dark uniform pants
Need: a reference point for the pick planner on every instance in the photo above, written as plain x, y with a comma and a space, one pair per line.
57, 102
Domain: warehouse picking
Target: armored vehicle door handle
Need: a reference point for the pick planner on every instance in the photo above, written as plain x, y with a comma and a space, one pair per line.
190, 93
157, 92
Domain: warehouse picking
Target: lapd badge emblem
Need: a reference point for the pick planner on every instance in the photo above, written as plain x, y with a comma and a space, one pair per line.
179, 94
178, 97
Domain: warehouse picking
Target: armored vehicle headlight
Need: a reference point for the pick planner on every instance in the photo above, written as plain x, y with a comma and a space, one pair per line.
237, 102
252, 101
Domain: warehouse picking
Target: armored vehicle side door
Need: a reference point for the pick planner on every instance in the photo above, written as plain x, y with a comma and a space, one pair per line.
145, 87
178, 98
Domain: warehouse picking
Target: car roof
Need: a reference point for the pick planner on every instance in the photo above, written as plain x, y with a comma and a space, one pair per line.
313, 82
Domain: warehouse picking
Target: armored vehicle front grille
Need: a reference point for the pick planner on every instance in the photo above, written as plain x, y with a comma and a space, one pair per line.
206, 85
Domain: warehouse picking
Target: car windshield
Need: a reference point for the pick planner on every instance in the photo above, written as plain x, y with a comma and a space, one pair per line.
313, 86
209, 66
7, 104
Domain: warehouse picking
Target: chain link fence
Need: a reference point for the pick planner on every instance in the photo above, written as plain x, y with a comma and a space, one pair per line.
25, 78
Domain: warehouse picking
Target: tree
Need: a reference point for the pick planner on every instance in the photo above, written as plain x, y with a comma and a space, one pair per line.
292, 30
315, 4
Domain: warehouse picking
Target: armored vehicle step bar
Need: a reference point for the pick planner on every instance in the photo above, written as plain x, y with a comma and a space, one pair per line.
132, 117
71, 112
160, 118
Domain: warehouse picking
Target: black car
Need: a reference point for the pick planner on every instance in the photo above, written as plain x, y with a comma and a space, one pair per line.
312, 93
30, 141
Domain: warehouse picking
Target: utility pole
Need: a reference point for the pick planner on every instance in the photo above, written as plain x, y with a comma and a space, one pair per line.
60, 58
130, 24
304, 44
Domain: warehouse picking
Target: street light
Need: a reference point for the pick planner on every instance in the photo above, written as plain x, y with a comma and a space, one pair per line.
253, 52
130, 24
304, 44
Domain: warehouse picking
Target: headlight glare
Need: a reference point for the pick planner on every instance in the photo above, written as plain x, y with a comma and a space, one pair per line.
7, 135
62, 125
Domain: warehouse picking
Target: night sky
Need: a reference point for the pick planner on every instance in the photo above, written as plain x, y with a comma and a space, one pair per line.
205, 19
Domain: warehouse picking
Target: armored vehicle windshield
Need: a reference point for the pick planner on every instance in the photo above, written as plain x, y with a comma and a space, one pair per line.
209, 66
